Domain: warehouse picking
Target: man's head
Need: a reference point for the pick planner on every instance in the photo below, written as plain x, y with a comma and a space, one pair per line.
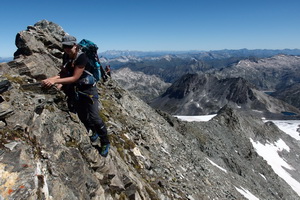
69, 40
69, 45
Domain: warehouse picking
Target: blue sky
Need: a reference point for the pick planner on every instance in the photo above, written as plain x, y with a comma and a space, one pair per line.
150, 25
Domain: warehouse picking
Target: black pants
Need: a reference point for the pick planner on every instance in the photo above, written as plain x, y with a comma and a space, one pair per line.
88, 113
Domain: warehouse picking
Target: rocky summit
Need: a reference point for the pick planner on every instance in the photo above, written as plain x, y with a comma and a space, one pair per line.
45, 152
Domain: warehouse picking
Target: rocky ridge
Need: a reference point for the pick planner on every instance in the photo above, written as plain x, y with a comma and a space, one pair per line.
196, 94
45, 152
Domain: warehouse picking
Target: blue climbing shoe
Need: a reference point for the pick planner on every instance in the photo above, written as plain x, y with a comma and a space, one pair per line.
94, 137
104, 150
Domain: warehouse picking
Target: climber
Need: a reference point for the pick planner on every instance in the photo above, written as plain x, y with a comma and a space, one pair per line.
82, 97
107, 70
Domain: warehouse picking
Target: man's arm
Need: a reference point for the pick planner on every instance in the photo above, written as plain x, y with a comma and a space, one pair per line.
67, 80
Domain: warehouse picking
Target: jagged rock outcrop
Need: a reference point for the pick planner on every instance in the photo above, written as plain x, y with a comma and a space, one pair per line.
196, 94
39, 50
143, 86
45, 152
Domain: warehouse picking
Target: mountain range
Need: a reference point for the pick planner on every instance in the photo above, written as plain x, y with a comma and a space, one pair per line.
171, 67
6, 59
203, 54
276, 74
273, 73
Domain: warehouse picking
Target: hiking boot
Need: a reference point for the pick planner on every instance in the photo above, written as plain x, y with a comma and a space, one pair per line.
104, 150
94, 137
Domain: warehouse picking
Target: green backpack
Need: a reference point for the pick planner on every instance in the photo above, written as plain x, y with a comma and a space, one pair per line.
90, 49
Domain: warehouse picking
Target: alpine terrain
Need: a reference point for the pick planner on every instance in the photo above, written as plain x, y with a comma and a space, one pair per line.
196, 94
267, 70
46, 153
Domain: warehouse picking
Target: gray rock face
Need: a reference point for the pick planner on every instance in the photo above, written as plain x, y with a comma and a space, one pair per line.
143, 86
196, 94
39, 50
45, 152
290, 95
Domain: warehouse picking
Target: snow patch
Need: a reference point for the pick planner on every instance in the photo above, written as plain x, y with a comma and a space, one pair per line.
263, 176
270, 153
288, 126
246, 193
202, 118
224, 170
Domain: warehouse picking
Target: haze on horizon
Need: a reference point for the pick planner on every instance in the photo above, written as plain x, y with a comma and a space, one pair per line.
169, 25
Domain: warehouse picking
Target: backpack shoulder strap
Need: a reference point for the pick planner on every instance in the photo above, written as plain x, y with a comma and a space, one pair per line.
86, 71
78, 54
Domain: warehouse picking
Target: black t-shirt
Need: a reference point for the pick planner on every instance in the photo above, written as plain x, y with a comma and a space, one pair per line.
67, 70
68, 67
